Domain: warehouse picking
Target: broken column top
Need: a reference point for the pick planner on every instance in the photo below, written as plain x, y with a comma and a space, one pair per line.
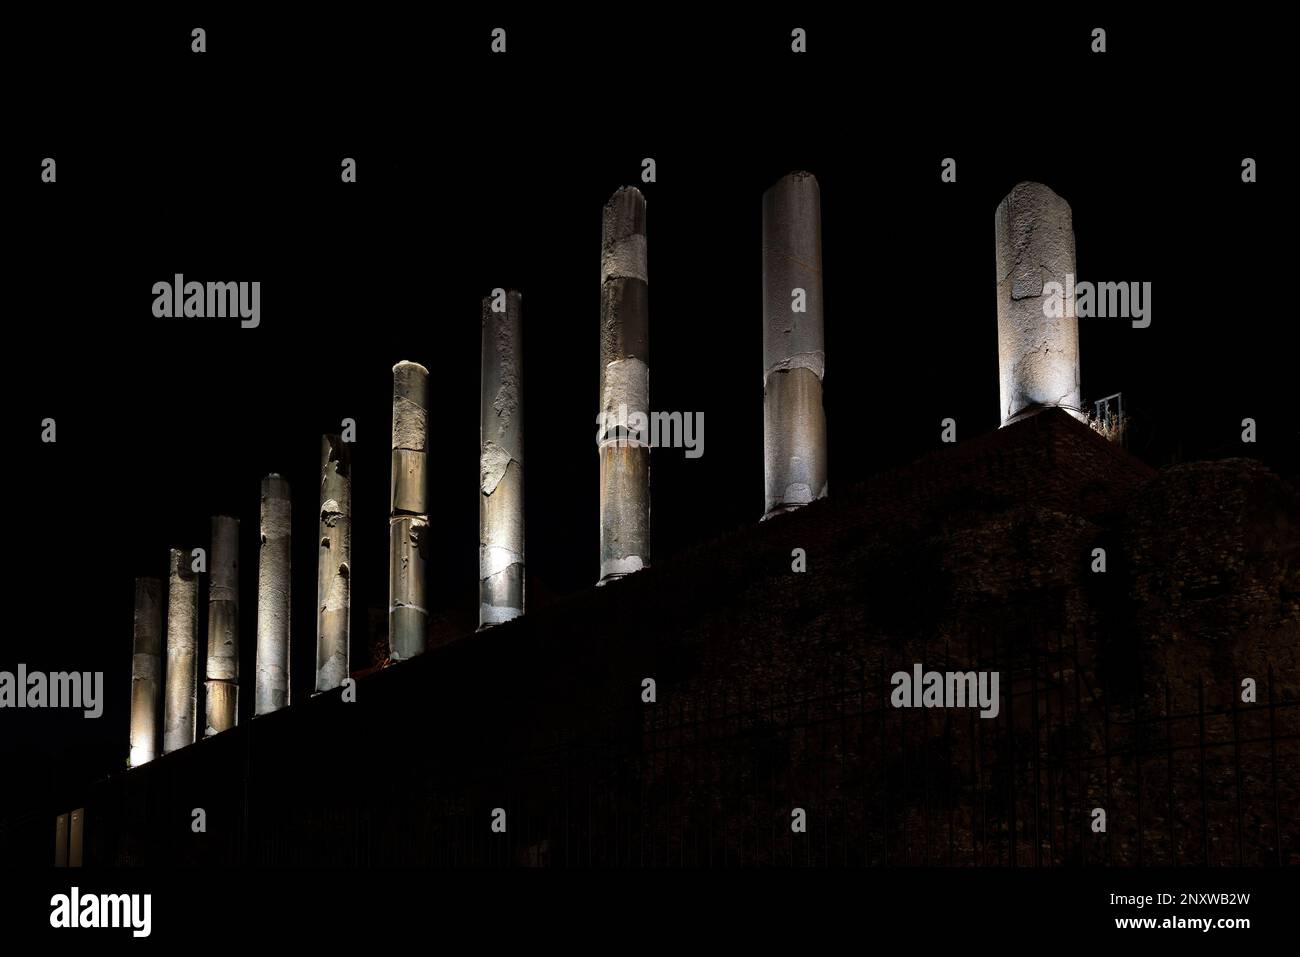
792, 258
501, 419
1033, 223
796, 177
622, 236
275, 507
624, 214
513, 296
408, 368
786, 208
335, 450
410, 400
180, 564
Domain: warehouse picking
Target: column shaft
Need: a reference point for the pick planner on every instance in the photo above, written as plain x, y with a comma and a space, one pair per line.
623, 423
334, 565
408, 613
794, 350
146, 671
179, 718
1038, 352
273, 598
501, 463
222, 685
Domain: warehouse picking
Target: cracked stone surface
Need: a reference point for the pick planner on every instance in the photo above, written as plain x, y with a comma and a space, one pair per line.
334, 564
408, 614
624, 384
410, 405
501, 463
409, 512
1038, 355
794, 353
179, 719
273, 597
625, 391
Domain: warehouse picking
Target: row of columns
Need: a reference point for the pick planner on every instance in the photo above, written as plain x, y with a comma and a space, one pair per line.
1038, 367
176, 686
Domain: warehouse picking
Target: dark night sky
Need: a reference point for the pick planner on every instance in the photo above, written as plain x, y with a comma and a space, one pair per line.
474, 173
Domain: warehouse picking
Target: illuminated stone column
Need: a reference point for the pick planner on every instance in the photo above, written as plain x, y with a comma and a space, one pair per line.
334, 565
146, 671
1038, 353
794, 349
273, 598
623, 427
223, 627
501, 464
179, 718
408, 524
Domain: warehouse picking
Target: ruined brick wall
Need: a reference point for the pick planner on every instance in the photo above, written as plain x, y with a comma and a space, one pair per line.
772, 694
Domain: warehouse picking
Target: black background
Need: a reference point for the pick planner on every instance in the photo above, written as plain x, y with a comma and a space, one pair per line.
477, 171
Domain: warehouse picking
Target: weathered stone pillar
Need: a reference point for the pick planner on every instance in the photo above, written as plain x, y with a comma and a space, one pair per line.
61, 839
623, 427
334, 565
794, 348
76, 837
1038, 353
223, 627
146, 671
408, 523
179, 718
501, 463
273, 598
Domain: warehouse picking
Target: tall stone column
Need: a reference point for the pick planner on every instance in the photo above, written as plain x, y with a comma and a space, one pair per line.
179, 718
334, 565
223, 627
623, 427
501, 463
273, 598
1038, 352
408, 522
794, 348
146, 671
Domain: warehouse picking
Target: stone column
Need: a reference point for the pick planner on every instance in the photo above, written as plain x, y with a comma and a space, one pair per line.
794, 349
408, 522
623, 423
334, 565
1038, 352
223, 627
76, 836
273, 598
501, 463
179, 718
146, 671
61, 840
